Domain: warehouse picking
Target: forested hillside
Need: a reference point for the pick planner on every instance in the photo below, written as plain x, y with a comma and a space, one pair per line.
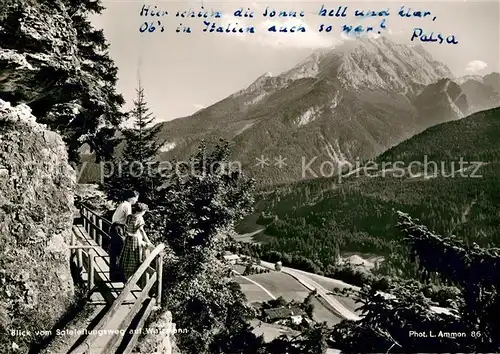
316, 219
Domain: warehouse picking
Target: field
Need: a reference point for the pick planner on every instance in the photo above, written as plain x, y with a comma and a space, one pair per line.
252, 292
258, 236
280, 284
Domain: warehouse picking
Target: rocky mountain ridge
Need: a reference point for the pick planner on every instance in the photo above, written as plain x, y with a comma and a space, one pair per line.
337, 106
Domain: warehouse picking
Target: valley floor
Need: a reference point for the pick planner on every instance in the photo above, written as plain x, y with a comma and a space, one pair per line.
264, 287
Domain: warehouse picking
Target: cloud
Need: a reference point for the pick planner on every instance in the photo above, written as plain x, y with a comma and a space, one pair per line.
198, 106
476, 65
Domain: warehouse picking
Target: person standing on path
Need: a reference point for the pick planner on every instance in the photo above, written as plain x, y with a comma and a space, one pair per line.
118, 233
130, 257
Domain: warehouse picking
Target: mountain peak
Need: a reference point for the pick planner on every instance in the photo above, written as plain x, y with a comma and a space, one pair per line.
360, 64
380, 63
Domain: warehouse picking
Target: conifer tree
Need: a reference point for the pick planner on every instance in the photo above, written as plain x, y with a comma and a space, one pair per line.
137, 167
199, 204
388, 319
142, 143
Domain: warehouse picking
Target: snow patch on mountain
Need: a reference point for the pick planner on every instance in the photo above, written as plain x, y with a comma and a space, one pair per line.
335, 100
308, 116
168, 146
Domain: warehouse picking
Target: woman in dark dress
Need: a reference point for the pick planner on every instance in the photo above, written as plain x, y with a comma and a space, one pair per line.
135, 239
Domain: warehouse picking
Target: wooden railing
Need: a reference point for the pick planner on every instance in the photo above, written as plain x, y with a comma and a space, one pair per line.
85, 255
99, 229
145, 278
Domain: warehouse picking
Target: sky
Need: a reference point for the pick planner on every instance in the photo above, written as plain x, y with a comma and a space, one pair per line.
182, 73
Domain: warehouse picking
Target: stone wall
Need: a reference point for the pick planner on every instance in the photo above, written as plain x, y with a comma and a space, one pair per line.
36, 213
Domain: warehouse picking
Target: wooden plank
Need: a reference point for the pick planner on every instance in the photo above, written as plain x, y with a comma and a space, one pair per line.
85, 238
110, 290
86, 220
80, 232
104, 302
135, 337
113, 344
102, 269
116, 304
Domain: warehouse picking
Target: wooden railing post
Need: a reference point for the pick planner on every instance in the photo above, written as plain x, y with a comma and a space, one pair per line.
91, 269
80, 257
159, 277
92, 227
89, 224
86, 217
84, 220
99, 235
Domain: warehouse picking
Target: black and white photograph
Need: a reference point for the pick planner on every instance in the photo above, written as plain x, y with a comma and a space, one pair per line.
249, 177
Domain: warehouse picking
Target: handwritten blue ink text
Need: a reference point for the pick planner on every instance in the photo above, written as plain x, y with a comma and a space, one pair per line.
418, 33
285, 29
371, 13
148, 11
409, 13
151, 27
273, 13
239, 13
199, 14
229, 28
340, 11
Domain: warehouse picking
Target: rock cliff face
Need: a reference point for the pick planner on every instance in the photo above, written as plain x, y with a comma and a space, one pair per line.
54, 61
36, 211
160, 337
